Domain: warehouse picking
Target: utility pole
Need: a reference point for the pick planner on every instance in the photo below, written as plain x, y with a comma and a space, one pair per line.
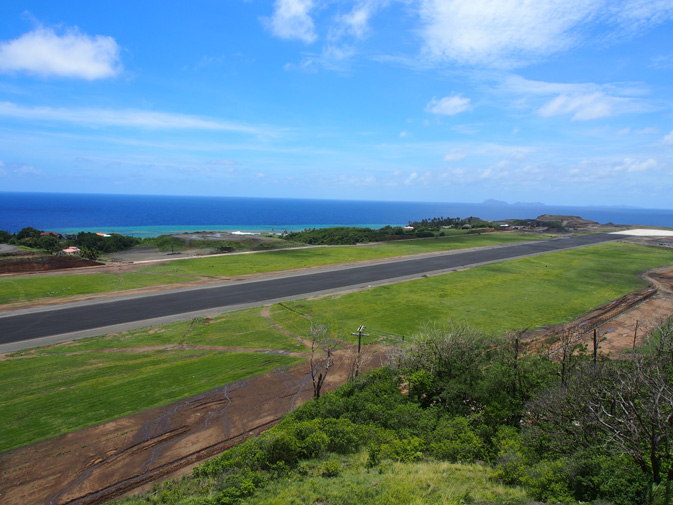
595, 346
359, 335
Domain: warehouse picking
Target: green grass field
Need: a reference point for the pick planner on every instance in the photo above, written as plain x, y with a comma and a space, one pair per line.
523, 293
424, 483
77, 384
32, 287
308, 257
67, 392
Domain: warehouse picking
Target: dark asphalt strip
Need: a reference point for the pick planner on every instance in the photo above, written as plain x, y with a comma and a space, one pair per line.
68, 319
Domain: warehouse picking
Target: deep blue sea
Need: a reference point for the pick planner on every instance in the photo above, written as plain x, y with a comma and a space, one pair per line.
142, 215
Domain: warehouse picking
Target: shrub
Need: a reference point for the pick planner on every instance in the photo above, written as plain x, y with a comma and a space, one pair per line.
342, 434
279, 447
331, 468
453, 440
406, 450
549, 481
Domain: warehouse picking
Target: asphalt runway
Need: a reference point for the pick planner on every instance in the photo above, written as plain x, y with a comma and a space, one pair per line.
42, 326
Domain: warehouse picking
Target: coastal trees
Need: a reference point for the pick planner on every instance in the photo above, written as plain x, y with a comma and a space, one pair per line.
28, 232
49, 243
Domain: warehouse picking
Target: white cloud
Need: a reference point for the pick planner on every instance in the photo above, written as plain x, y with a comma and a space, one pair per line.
650, 130
465, 129
455, 155
630, 165
291, 20
124, 118
501, 32
27, 170
449, 105
584, 107
411, 178
17, 169
668, 139
72, 54
583, 101
506, 33
356, 22
634, 15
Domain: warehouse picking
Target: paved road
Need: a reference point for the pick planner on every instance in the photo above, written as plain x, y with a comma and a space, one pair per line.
32, 327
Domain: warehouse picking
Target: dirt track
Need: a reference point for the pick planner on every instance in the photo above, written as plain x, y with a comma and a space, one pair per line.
96, 464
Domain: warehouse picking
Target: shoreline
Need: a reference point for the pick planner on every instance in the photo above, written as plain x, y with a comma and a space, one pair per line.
155, 231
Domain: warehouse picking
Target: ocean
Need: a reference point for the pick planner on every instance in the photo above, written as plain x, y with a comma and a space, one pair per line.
145, 216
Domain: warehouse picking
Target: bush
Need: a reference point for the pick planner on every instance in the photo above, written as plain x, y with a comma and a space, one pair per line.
331, 468
453, 440
405, 450
342, 434
549, 481
279, 447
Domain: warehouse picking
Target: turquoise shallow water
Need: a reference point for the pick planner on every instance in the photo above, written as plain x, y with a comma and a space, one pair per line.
155, 231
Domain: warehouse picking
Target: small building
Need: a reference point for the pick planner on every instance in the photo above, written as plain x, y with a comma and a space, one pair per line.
49, 233
71, 251
408, 228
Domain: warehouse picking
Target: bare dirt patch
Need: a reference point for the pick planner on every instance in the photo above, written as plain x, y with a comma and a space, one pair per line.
127, 455
22, 265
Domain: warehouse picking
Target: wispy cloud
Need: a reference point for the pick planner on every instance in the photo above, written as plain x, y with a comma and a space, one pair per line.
501, 33
449, 105
18, 170
584, 106
631, 165
581, 101
668, 139
291, 20
455, 155
125, 118
509, 33
71, 54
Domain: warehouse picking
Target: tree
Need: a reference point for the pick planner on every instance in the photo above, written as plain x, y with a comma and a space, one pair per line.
4, 236
89, 253
28, 232
49, 243
322, 356
621, 407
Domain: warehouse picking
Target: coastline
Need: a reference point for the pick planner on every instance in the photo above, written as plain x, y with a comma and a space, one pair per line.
155, 231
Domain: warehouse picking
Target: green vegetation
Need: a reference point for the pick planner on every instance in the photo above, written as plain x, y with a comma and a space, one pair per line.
523, 293
26, 288
560, 432
92, 380
430, 483
418, 229
18, 289
529, 292
32, 238
249, 243
309, 257
466, 401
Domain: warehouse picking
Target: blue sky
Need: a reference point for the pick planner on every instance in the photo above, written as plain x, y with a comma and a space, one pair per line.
565, 102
